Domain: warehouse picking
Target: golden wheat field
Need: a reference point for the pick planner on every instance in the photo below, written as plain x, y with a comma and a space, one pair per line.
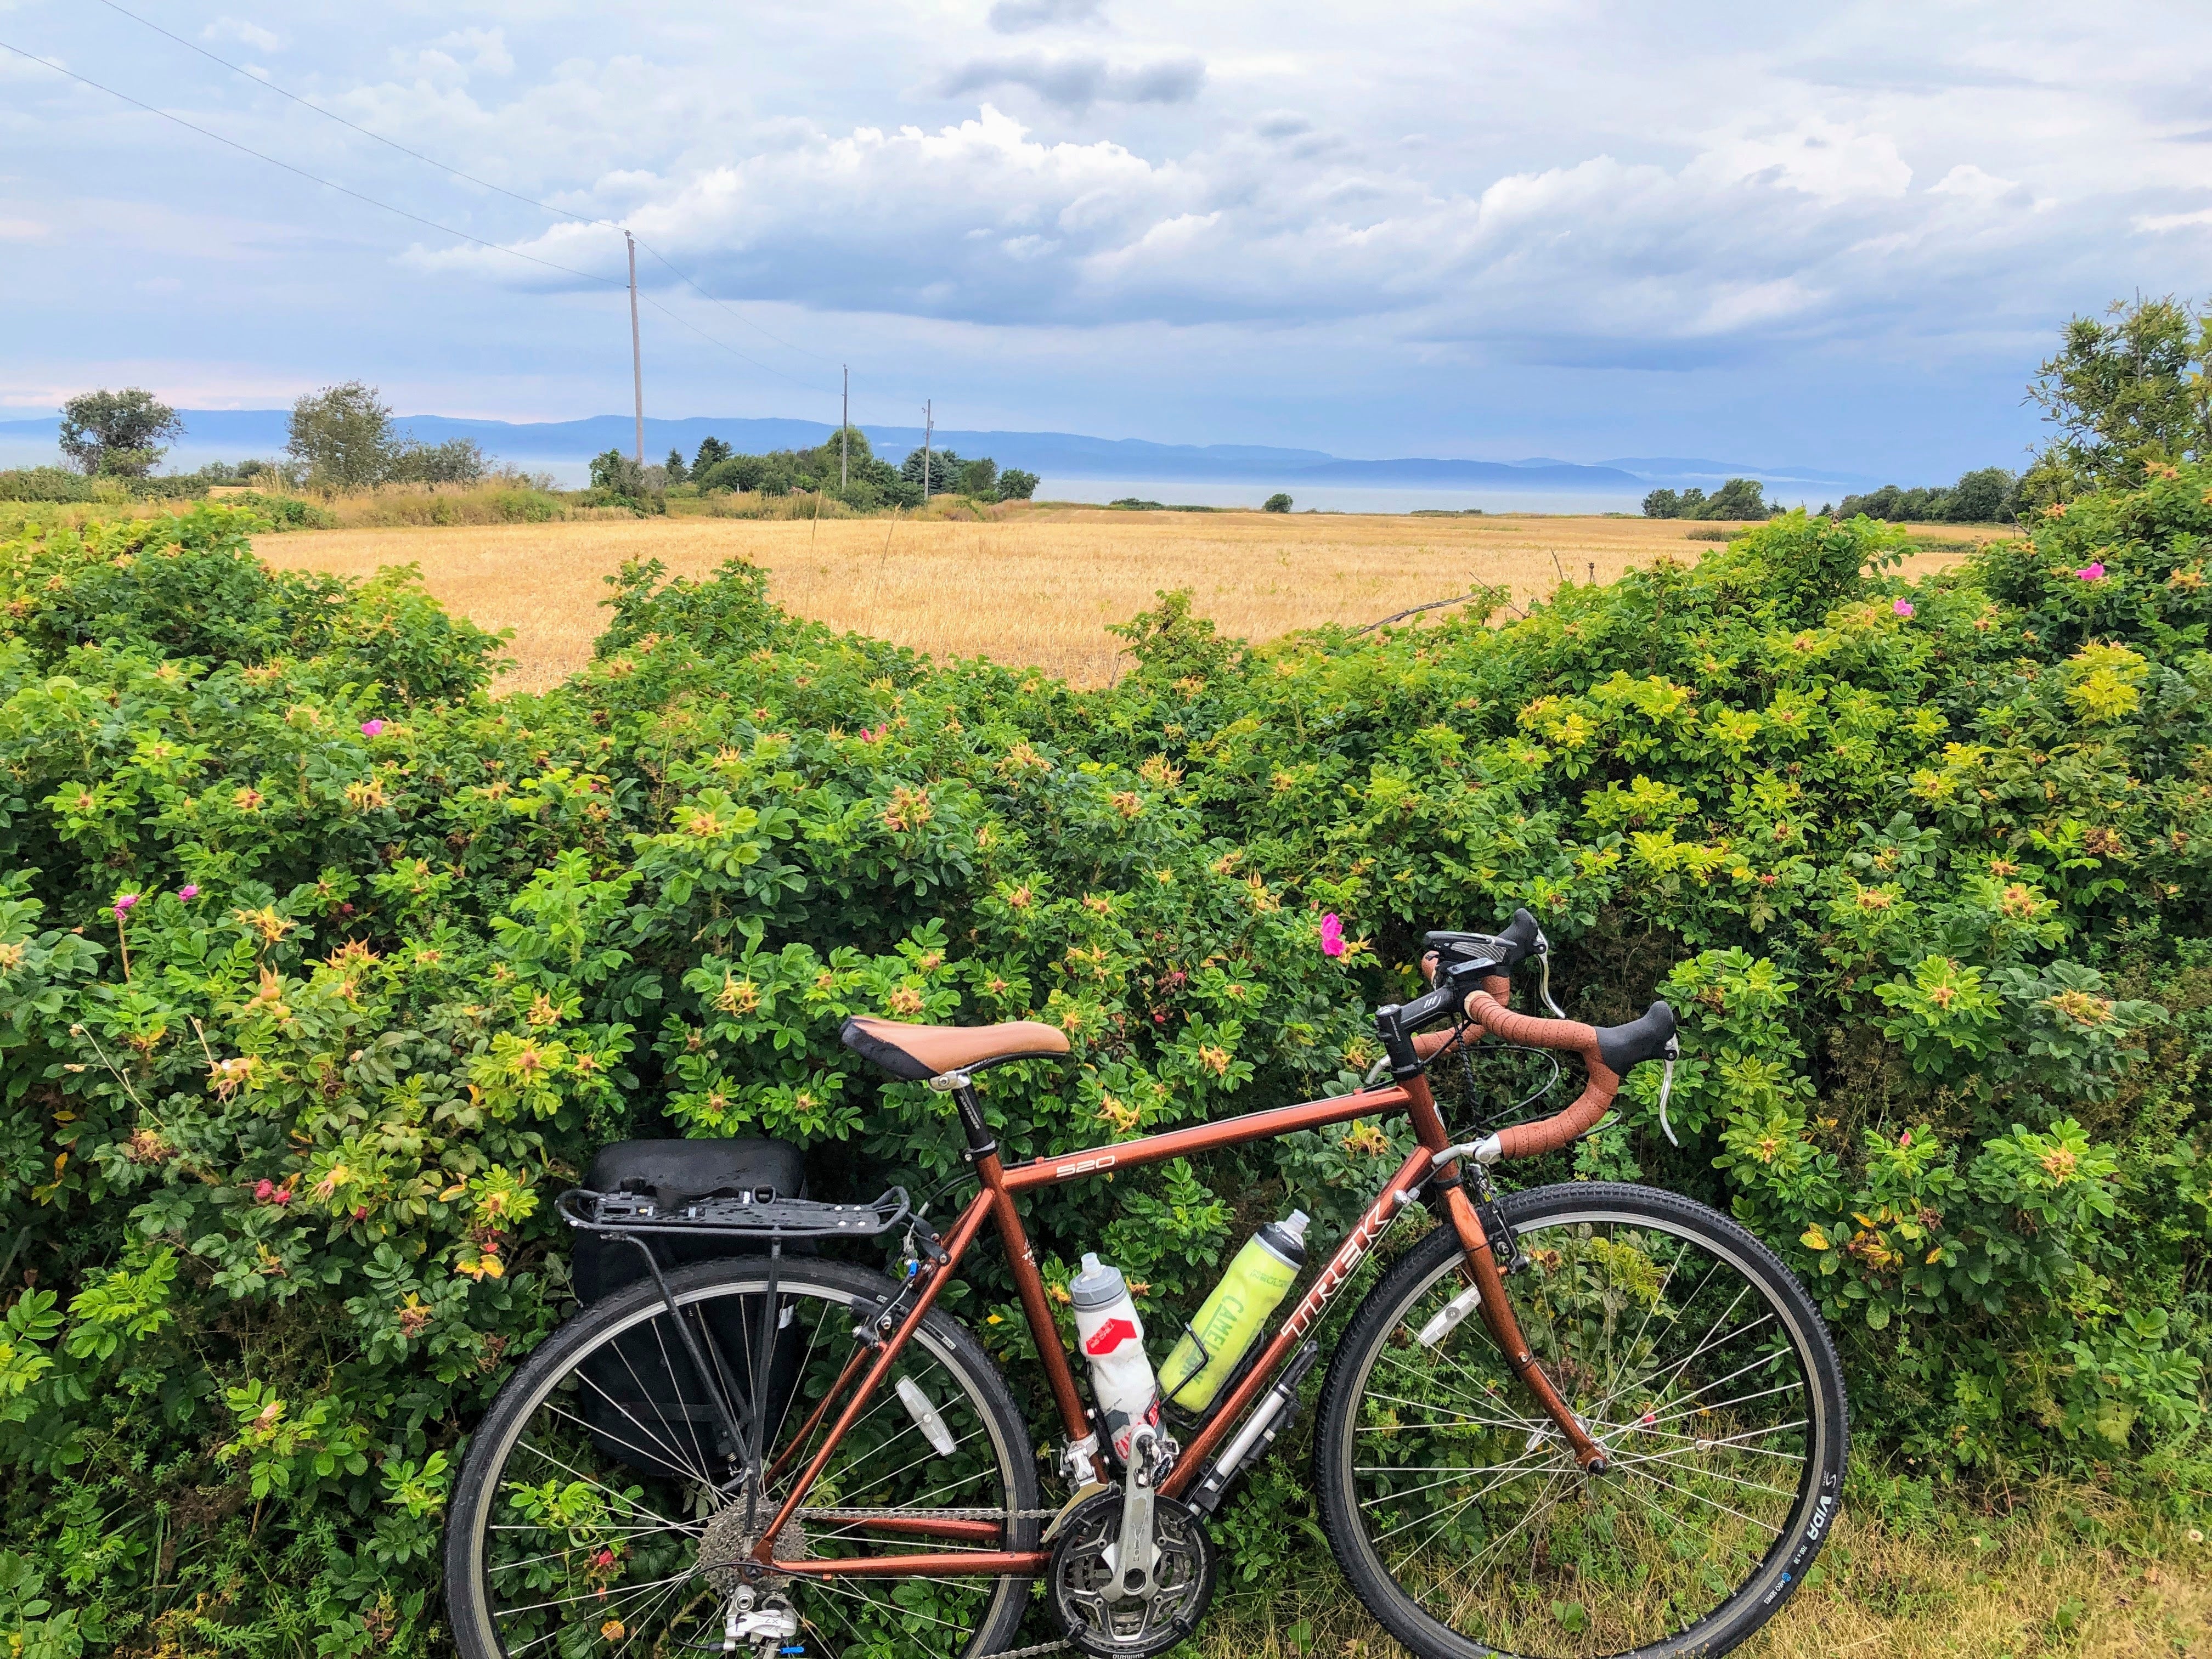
1034, 586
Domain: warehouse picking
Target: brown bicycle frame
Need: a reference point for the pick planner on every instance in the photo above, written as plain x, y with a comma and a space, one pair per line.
994, 1200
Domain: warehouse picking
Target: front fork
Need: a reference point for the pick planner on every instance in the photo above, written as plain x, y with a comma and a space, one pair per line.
1506, 1330
1481, 1260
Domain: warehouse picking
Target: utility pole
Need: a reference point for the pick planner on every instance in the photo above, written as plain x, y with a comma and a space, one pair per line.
844, 435
928, 429
637, 358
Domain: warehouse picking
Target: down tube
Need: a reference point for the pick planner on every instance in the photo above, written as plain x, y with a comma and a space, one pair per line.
1380, 1216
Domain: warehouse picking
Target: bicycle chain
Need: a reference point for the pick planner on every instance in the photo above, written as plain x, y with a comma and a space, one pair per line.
940, 1514
950, 1515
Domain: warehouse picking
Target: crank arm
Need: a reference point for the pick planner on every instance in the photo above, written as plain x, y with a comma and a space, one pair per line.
1134, 1550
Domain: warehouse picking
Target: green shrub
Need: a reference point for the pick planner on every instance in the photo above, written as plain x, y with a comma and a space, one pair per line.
1924, 866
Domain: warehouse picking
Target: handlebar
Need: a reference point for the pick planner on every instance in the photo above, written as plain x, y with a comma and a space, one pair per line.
1473, 972
1607, 1052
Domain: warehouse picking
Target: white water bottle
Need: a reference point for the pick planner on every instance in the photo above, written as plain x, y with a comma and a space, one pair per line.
1112, 1338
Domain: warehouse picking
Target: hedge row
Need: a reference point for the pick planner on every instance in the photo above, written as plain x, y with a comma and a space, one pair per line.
320, 970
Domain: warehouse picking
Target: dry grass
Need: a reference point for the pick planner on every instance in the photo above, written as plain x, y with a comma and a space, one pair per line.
2034, 1584
1032, 586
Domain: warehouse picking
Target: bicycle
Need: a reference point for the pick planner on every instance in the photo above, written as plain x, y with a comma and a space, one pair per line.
1642, 1451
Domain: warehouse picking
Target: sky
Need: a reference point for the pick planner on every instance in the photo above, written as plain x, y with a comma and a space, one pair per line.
1835, 236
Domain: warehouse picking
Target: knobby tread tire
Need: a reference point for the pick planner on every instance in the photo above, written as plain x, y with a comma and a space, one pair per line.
1783, 1568
952, 1343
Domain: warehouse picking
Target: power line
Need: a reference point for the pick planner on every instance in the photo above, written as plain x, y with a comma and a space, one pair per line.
447, 168
358, 196
273, 162
271, 86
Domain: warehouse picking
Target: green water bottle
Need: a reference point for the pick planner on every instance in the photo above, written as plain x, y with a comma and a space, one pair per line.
1230, 1322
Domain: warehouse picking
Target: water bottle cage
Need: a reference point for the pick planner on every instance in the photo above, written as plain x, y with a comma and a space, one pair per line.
1205, 1358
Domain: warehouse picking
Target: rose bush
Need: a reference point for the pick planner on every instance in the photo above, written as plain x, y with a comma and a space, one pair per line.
1923, 863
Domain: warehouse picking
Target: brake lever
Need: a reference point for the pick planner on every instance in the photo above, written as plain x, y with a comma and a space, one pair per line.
1667, 1087
1544, 977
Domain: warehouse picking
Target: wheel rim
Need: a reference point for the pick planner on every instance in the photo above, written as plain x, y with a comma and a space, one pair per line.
1688, 1367
612, 1511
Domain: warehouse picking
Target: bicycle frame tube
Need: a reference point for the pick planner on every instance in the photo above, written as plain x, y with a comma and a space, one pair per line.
995, 1199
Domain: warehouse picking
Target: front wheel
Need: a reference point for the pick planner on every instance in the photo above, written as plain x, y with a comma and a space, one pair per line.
1691, 1355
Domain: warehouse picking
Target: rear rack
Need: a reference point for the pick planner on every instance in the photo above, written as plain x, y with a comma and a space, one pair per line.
763, 1215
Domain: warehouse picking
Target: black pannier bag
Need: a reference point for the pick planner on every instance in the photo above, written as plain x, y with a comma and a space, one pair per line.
644, 1404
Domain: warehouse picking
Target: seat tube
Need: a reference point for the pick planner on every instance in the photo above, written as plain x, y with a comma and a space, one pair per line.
1028, 1283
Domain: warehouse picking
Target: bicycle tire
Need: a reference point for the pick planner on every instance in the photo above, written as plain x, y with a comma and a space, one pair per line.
1576, 1213
709, 1291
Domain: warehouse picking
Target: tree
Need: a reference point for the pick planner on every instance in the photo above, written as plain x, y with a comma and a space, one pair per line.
943, 470
456, 461
979, 478
1016, 485
342, 435
1663, 504
677, 472
1739, 498
618, 475
711, 450
118, 434
1983, 496
1278, 502
2121, 392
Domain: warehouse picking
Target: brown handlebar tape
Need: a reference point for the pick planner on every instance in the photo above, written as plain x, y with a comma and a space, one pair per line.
1568, 1036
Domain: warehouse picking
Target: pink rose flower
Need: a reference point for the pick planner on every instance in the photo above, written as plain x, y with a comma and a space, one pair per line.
188, 892
1331, 935
370, 728
123, 904
1903, 607
2092, 572
264, 1190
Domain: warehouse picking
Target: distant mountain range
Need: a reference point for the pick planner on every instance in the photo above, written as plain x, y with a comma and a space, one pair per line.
233, 434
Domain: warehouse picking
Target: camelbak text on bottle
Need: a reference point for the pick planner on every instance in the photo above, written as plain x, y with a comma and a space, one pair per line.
1230, 1320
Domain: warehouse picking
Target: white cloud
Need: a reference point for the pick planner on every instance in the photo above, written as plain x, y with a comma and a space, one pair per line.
1969, 181
237, 29
2163, 222
1829, 160
485, 48
22, 230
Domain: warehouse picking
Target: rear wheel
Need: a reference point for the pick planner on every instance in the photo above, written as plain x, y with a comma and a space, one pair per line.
603, 1504
1693, 1358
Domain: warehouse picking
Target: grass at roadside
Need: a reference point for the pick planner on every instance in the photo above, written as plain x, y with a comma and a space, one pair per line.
1036, 585
2068, 1570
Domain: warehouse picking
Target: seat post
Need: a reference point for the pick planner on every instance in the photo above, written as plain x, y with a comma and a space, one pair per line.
980, 1142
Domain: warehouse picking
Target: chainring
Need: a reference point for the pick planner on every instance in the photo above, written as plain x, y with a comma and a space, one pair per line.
1086, 1589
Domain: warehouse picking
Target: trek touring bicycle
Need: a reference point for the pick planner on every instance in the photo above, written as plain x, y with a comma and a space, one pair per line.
1583, 1419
